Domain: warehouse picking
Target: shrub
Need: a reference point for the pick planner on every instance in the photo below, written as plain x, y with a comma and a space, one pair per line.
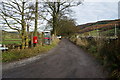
110, 56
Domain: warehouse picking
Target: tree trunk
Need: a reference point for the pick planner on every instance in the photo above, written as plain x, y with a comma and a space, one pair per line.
26, 41
24, 35
54, 25
42, 38
23, 38
36, 18
55, 22
31, 39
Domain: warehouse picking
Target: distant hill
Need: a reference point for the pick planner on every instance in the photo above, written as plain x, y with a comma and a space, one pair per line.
101, 25
107, 27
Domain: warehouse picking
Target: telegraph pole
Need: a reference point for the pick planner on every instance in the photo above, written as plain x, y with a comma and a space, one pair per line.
97, 32
115, 30
97, 28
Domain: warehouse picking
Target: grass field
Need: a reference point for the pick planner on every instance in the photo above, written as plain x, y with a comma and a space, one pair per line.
108, 33
11, 41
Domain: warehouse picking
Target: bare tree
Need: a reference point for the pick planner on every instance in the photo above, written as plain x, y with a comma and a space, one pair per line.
15, 14
57, 10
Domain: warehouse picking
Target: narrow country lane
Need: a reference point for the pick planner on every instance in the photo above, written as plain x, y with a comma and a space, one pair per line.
66, 61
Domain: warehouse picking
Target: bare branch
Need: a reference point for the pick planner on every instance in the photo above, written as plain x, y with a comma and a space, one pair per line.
10, 5
45, 18
9, 24
19, 7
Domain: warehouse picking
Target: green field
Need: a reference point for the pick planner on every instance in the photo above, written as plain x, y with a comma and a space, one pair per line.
108, 33
11, 41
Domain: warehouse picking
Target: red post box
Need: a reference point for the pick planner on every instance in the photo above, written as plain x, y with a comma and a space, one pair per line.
35, 39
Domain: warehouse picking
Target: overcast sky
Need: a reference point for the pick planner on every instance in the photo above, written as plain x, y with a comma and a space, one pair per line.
96, 10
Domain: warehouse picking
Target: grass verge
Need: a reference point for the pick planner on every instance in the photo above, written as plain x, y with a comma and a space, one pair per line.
15, 54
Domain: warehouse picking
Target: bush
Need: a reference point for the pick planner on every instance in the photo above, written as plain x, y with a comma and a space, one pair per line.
110, 56
92, 49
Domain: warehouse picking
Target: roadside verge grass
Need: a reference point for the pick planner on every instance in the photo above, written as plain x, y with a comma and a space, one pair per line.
16, 54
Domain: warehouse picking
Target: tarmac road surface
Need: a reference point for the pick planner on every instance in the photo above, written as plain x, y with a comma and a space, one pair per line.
66, 61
